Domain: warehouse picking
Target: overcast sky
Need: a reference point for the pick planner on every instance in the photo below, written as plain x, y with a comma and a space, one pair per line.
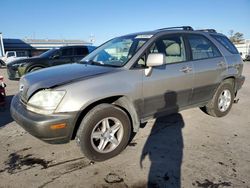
105, 19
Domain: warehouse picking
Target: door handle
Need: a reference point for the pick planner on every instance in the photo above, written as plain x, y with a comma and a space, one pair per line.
186, 69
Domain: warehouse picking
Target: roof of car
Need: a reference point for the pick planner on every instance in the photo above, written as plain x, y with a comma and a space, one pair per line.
182, 29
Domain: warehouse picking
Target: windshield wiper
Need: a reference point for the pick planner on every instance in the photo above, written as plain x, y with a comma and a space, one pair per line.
91, 62
95, 62
98, 63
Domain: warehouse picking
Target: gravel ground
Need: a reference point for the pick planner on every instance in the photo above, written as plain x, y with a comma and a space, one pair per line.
189, 149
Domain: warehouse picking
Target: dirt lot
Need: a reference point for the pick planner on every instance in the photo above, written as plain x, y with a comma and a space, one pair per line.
189, 149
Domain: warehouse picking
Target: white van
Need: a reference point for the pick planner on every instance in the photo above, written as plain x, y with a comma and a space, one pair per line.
244, 50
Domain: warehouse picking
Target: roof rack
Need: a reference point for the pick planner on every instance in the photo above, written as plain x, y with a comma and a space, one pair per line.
207, 30
188, 28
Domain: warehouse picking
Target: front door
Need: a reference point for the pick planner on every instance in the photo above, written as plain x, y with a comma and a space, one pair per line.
169, 86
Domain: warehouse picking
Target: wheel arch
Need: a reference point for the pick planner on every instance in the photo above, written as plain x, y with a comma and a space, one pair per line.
29, 68
121, 101
231, 79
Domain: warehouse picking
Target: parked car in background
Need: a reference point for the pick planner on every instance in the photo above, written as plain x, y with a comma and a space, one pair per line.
103, 99
53, 57
11, 56
244, 50
2, 91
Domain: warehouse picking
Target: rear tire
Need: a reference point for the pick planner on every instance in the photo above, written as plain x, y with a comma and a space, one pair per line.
104, 132
222, 100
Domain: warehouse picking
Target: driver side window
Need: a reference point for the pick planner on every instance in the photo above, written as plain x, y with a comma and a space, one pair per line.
171, 46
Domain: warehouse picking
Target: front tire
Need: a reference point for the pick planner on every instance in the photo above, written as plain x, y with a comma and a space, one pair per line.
222, 100
104, 132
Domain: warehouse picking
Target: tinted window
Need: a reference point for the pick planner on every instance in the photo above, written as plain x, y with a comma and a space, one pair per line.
202, 48
10, 54
91, 48
226, 43
21, 54
49, 53
67, 52
81, 51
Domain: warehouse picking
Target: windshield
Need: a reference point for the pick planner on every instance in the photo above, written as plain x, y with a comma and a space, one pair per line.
116, 52
49, 53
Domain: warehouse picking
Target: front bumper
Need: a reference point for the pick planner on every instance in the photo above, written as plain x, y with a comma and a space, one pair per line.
15, 73
39, 125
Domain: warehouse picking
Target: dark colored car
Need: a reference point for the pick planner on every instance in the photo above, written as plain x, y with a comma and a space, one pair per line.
55, 56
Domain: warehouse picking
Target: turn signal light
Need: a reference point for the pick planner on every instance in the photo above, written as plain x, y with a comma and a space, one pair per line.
58, 126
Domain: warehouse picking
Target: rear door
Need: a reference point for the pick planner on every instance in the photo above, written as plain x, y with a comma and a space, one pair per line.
169, 86
208, 65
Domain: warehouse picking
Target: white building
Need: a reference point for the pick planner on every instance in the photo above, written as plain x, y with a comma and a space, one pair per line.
244, 49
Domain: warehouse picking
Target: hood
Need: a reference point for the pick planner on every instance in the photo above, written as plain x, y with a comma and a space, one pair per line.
58, 75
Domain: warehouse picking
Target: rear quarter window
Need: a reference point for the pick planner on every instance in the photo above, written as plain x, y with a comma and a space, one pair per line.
224, 41
81, 51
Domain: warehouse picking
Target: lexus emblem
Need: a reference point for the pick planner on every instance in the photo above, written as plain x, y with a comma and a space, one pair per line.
21, 87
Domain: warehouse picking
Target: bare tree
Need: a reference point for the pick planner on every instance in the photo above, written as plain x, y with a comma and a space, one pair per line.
231, 33
236, 37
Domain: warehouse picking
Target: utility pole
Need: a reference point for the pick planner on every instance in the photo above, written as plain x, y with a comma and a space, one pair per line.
92, 38
2, 53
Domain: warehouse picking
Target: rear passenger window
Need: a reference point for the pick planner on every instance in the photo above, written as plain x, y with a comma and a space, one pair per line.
81, 51
202, 48
224, 41
67, 52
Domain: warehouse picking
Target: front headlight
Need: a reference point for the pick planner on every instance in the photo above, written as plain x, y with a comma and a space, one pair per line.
45, 101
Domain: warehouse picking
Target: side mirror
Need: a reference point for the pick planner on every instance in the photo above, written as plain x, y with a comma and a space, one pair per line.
154, 60
56, 56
